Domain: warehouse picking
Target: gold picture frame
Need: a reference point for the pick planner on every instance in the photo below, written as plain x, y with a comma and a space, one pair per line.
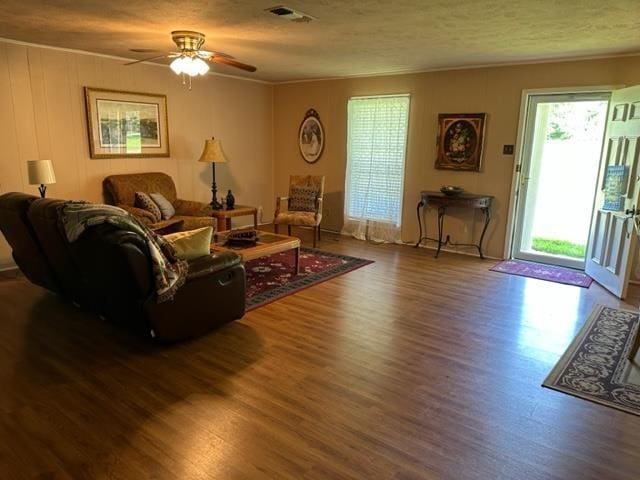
123, 124
460, 141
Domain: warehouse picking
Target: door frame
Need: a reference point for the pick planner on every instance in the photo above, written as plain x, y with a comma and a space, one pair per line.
518, 154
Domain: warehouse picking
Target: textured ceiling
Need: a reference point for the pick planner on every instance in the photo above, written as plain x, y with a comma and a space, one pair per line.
348, 38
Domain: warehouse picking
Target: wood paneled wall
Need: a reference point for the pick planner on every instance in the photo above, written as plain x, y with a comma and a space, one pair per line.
42, 115
495, 90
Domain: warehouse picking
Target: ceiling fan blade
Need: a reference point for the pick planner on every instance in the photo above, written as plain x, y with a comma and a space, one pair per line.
206, 54
233, 63
144, 50
146, 59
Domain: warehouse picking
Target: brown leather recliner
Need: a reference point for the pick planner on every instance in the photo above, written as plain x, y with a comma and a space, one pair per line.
27, 251
108, 271
120, 190
43, 218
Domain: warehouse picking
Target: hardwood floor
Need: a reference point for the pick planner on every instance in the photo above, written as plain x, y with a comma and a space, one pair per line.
412, 367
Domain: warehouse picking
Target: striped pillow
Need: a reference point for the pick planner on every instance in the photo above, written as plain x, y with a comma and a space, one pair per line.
143, 201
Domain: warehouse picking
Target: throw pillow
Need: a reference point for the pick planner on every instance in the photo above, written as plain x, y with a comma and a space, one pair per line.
192, 243
164, 205
303, 199
143, 201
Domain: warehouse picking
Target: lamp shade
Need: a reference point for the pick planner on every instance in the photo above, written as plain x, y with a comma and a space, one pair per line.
212, 152
41, 172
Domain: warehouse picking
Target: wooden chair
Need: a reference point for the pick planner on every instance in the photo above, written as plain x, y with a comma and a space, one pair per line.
312, 216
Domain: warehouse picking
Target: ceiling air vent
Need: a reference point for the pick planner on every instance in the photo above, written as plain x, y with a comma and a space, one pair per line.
290, 14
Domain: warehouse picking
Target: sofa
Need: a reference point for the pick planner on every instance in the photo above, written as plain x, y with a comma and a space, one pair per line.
120, 190
108, 272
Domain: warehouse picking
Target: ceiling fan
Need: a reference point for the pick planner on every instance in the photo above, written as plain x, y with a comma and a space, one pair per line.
191, 60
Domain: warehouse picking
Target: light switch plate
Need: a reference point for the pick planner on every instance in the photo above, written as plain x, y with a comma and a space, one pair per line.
507, 149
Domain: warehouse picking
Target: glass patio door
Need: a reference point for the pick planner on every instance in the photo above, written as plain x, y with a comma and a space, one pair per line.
563, 136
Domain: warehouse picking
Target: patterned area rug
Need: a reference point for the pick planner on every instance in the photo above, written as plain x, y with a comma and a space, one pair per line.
271, 278
540, 271
595, 366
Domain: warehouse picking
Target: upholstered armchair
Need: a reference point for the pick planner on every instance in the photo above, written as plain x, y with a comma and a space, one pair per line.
120, 190
304, 204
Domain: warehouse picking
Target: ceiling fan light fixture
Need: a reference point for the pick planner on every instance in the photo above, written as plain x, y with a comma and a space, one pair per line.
176, 65
201, 67
189, 66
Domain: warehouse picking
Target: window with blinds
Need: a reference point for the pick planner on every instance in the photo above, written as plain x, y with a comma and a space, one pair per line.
376, 147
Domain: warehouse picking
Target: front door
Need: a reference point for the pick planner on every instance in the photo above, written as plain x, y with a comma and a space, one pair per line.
612, 240
563, 135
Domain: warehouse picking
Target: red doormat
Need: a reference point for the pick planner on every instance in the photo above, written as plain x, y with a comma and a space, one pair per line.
551, 273
270, 278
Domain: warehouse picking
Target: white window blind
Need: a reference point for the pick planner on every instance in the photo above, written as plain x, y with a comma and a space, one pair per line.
376, 147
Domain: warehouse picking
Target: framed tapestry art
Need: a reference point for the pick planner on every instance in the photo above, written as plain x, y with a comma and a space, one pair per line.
311, 137
460, 141
126, 124
615, 187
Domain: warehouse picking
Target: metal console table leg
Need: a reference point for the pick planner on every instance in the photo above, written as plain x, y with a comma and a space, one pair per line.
487, 219
420, 238
441, 212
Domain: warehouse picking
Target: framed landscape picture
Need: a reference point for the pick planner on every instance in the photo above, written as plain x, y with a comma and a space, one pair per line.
126, 124
460, 141
311, 137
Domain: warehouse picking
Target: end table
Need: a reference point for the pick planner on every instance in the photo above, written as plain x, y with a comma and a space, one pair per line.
224, 216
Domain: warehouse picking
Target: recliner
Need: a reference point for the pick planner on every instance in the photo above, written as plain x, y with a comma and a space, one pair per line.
108, 271
43, 217
27, 250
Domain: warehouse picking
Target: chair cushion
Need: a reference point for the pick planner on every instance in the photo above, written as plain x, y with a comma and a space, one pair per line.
191, 244
303, 199
143, 201
164, 205
304, 219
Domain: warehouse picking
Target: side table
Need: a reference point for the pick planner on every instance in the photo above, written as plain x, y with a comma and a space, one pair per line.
224, 216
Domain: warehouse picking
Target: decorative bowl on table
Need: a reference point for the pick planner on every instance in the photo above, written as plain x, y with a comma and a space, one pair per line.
451, 190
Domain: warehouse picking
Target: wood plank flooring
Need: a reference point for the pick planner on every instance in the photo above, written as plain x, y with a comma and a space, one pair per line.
410, 368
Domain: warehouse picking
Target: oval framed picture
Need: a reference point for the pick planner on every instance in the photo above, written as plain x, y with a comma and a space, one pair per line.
311, 137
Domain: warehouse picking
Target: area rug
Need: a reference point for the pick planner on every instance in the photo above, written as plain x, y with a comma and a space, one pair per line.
551, 273
270, 278
595, 366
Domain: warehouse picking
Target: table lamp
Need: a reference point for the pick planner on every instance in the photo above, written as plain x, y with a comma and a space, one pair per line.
41, 173
212, 153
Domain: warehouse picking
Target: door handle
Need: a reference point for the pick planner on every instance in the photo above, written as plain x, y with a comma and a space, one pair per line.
632, 212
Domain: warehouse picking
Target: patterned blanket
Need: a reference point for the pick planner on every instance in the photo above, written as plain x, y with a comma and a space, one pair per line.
169, 272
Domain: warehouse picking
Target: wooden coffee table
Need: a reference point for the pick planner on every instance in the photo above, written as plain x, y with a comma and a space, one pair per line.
268, 243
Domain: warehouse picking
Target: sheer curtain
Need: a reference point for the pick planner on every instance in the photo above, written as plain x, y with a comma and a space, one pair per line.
376, 147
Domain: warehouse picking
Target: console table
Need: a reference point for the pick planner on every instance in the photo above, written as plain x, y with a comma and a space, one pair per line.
442, 202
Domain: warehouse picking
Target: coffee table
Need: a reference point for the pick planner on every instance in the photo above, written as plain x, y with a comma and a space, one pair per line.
268, 243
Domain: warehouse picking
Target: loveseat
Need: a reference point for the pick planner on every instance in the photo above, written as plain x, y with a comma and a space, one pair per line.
108, 271
119, 190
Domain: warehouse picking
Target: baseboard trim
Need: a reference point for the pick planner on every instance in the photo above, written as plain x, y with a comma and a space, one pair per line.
450, 250
429, 247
